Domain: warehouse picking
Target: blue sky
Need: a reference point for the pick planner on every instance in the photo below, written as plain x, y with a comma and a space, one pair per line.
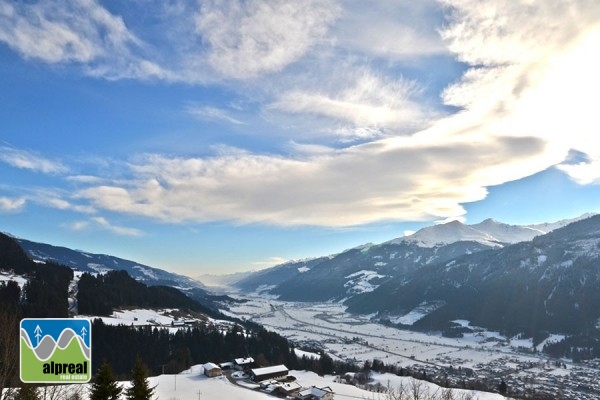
222, 136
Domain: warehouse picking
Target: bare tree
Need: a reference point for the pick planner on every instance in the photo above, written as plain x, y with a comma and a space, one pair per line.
419, 390
62, 392
9, 353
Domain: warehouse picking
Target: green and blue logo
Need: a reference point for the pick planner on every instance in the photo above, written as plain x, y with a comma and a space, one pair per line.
56, 350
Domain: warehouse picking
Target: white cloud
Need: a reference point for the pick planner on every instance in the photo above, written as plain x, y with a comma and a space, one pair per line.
393, 179
104, 224
211, 114
119, 230
248, 38
367, 102
81, 32
522, 112
531, 73
28, 160
392, 30
527, 98
10, 205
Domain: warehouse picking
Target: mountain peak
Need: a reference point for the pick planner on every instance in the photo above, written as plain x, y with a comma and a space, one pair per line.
489, 232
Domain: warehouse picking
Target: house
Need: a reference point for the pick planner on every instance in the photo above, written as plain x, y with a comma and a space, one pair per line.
274, 372
288, 388
227, 365
315, 393
244, 363
211, 370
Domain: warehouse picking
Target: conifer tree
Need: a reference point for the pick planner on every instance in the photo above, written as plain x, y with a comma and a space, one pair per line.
105, 386
140, 388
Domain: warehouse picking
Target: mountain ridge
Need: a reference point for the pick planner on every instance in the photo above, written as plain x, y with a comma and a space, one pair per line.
99, 263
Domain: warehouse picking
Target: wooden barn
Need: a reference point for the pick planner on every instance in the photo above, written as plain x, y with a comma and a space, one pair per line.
211, 370
274, 372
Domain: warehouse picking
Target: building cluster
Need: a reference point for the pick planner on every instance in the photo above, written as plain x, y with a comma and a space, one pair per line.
274, 379
541, 379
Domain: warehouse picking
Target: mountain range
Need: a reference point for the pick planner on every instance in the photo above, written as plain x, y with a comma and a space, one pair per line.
99, 263
506, 277
516, 279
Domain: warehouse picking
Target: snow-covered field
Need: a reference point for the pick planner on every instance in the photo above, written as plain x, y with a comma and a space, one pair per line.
6, 276
351, 337
192, 384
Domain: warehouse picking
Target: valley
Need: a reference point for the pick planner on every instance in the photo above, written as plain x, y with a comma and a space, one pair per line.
482, 357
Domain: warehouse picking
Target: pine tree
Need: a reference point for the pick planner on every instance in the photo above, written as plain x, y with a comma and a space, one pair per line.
140, 388
104, 386
502, 388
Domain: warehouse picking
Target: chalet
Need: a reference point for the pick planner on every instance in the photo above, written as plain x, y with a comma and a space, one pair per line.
288, 388
211, 370
315, 393
274, 372
244, 363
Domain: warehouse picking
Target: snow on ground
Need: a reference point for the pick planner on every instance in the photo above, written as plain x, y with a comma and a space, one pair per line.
417, 313
192, 384
360, 281
307, 354
5, 277
99, 268
352, 337
138, 317
150, 274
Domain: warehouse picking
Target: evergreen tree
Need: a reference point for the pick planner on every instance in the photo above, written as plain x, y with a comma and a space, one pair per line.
139, 389
502, 388
104, 386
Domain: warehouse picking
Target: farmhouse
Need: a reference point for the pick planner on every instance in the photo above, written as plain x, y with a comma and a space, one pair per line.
288, 388
274, 372
244, 363
211, 370
315, 393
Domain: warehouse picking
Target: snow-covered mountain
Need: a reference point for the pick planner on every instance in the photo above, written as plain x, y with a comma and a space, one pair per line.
550, 283
99, 263
489, 232
363, 269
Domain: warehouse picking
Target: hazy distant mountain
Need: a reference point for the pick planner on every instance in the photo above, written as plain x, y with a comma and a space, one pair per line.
216, 281
89, 262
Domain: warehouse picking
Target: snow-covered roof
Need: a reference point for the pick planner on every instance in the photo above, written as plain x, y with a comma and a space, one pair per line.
270, 370
210, 366
315, 391
244, 361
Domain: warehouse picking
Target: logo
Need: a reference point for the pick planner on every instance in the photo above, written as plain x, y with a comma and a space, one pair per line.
55, 350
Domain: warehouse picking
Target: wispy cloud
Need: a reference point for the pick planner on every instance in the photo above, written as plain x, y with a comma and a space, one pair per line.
390, 30
81, 32
12, 205
394, 179
208, 113
104, 224
526, 99
248, 38
364, 100
29, 160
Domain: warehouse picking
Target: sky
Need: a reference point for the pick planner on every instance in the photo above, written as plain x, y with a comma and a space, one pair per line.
219, 136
